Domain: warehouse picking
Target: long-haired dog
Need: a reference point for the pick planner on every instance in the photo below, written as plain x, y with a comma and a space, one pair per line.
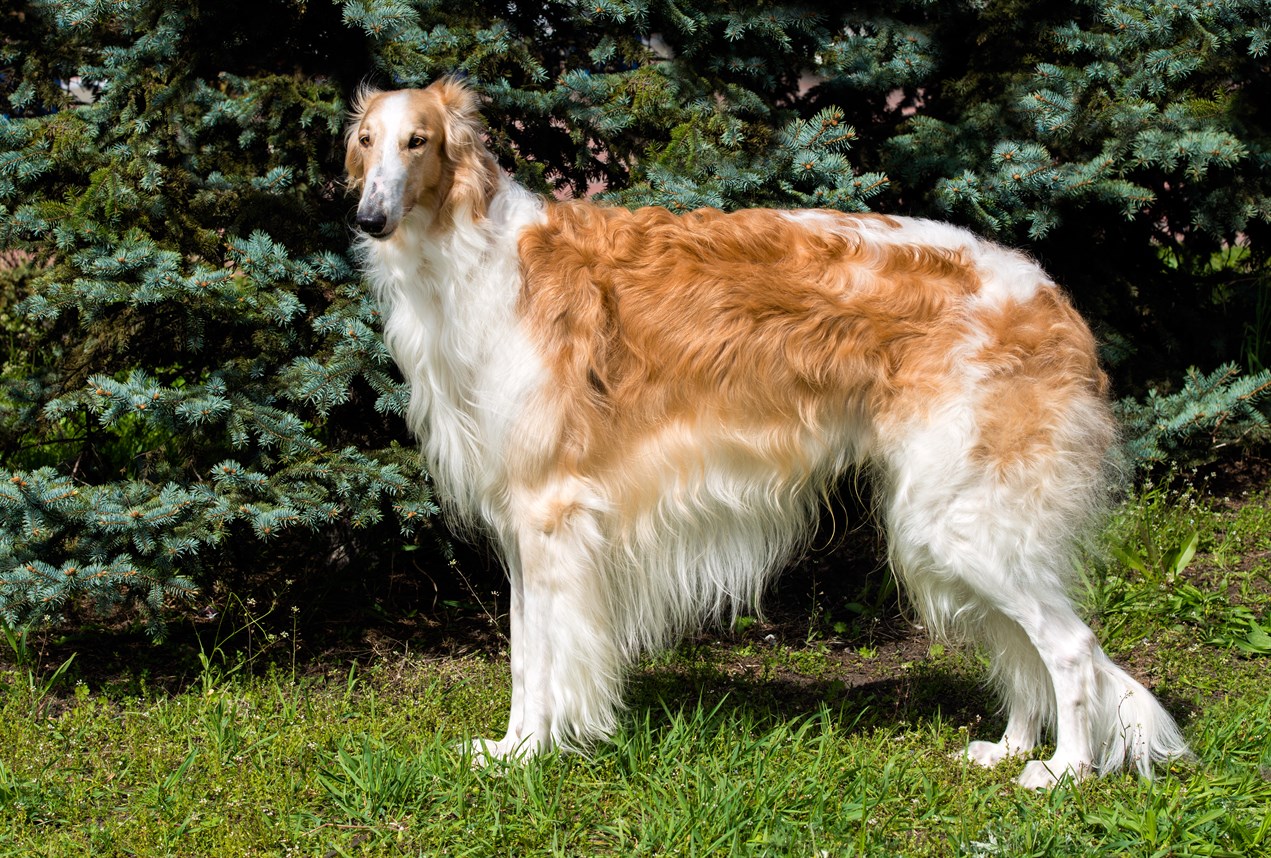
645, 411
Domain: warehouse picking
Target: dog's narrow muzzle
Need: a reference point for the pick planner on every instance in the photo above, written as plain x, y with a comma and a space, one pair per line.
379, 211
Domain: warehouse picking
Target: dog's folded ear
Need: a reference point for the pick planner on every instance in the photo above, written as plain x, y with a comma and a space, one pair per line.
475, 174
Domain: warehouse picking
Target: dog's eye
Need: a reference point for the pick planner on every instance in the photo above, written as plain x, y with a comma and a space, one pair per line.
364, 140
416, 141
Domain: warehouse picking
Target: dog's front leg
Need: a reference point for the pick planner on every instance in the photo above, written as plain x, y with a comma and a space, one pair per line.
517, 740
511, 740
567, 661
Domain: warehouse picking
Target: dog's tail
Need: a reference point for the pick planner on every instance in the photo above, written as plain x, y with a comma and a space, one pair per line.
1131, 729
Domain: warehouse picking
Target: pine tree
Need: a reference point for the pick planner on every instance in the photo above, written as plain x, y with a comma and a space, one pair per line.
210, 358
195, 381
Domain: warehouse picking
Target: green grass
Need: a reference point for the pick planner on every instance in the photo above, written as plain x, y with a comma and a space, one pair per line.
730, 746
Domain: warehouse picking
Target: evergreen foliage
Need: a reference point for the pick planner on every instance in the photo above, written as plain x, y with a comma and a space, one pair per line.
194, 378
1208, 412
206, 361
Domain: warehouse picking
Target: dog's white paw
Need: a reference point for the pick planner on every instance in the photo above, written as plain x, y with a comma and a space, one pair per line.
989, 754
1044, 774
509, 749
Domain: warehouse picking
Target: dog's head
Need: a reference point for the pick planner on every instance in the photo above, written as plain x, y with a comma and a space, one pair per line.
418, 150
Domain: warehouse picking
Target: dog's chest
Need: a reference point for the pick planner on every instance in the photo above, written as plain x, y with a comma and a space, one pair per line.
472, 372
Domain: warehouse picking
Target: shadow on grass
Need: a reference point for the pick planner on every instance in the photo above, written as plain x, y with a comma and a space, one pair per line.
915, 695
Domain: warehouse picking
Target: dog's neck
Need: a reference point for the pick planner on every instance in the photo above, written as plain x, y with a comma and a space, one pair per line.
448, 298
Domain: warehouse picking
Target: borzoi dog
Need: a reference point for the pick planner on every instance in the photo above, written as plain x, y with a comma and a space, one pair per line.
645, 411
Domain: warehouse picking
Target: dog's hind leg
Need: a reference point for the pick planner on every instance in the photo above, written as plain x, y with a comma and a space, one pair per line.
989, 563
1020, 677
1104, 720
954, 611
1067, 649
973, 579
567, 666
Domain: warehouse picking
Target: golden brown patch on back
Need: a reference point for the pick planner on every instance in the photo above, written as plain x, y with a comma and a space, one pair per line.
751, 322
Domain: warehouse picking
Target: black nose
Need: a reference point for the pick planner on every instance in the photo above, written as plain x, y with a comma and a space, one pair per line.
371, 224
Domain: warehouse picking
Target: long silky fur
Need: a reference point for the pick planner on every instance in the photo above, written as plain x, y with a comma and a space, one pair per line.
644, 412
